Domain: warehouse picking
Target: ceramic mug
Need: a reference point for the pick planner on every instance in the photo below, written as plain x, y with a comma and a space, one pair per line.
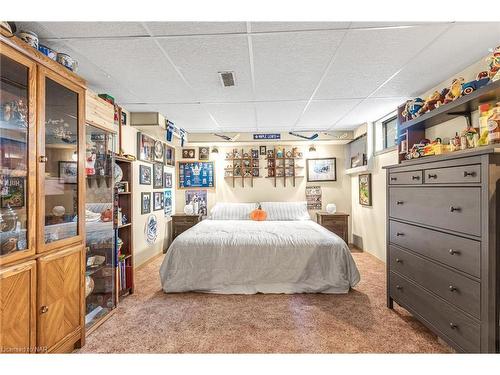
29, 37
67, 61
47, 51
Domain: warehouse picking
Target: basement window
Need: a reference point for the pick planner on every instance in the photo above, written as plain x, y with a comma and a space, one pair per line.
389, 131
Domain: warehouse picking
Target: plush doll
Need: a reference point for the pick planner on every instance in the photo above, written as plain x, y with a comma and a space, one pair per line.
412, 108
494, 64
455, 90
432, 102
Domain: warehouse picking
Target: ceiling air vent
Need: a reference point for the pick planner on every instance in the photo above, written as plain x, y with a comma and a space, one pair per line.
227, 78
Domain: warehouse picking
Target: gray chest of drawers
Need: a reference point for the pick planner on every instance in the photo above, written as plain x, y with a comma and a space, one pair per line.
443, 235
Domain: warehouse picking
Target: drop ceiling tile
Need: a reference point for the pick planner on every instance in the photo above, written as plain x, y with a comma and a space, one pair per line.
367, 59
296, 26
368, 110
94, 29
324, 113
290, 65
461, 46
39, 28
278, 114
195, 28
201, 58
140, 66
233, 115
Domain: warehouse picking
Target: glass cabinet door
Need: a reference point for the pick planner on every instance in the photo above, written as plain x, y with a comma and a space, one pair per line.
17, 140
59, 157
99, 225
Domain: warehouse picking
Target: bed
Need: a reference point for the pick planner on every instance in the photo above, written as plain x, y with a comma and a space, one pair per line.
234, 255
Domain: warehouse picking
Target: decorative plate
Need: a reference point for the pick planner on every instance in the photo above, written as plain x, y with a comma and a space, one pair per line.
151, 229
159, 150
118, 173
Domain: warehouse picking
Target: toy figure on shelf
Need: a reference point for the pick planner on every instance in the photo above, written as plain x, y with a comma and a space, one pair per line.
90, 162
469, 139
494, 64
481, 80
412, 108
432, 102
454, 91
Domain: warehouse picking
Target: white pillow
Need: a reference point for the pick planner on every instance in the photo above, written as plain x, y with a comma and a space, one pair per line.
280, 211
232, 211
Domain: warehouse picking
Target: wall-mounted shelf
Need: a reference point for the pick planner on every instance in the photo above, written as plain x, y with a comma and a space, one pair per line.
243, 167
285, 166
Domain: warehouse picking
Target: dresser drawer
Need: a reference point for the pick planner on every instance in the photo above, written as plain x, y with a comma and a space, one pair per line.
186, 219
452, 208
455, 288
457, 252
459, 328
453, 175
404, 178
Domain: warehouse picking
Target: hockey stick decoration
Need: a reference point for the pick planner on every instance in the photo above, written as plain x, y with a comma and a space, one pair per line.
227, 138
312, 137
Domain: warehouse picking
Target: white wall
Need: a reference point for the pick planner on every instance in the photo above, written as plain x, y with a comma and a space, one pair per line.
369, 223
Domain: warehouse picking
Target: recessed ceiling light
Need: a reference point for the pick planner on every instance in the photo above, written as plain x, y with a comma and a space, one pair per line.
227, 78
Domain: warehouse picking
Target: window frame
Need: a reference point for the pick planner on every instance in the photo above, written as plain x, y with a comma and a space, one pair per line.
384, 132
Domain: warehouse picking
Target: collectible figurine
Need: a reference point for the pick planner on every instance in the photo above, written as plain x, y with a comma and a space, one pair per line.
481, 80
454, 91
412, 108
432, 102
494, 64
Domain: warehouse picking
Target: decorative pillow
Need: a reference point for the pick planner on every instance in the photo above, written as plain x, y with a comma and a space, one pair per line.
232, 211
286, 211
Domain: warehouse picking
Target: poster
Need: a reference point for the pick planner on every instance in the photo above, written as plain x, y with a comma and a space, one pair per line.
313, 197
198, 199
196, 174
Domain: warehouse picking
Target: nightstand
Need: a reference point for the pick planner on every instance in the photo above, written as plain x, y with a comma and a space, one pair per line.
182, 222
336, 223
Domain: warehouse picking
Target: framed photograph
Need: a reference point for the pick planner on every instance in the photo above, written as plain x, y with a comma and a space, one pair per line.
13, 192
167, 205
188, 153
144, 175
122, 187
159, 152
68, 171
254, 153
145, 147
203, 153
262, 150
167, 180
322, 170
158, 198
365, 189
196, 174
358, 160
198, 199
157, 176
145, 203
169, 155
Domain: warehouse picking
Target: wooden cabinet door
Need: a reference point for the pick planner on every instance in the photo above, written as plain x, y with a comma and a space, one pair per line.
60, 298
17, 308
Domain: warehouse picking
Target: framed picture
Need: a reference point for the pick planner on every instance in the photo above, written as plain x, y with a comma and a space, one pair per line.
169, 155
198, 199
188, 153
68, 171
313, 197
254, 153
157, 176
144, 175
12, 193
322, 170
122, 187
167, 204
159, 152
167, 180
203, 153
196, 174
358, 160
145, 203
262, 150
158, 198
365, 189
145, 147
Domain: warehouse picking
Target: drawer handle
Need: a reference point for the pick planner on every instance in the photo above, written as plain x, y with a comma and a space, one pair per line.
453, 209
399, 234
398, 260
429, 176
394, 178
471, 174
415, 177
44, 309
453, 252
399, 287
399, 202
452, 288
43, 159
453, 326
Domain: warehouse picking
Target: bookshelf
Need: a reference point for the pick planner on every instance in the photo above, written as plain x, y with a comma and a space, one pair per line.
124, 231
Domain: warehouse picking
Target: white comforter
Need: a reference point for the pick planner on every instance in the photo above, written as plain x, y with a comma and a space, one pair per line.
247, 257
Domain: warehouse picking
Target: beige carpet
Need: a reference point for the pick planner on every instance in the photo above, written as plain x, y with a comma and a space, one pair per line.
359, 322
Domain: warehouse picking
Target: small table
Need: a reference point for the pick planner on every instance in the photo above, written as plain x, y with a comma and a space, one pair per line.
336, 223
182, 222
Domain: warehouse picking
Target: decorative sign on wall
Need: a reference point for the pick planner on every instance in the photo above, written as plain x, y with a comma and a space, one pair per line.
267, 136
313, 197
197, 174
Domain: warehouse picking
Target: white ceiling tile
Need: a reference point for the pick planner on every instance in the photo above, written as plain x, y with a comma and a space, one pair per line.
458, 48
368, 110
201, 58
278, 114
195, 28
237, 115
296, 26
140, 66
367, 59
290, 65
370, 24
324, 113
39, 28
94, 29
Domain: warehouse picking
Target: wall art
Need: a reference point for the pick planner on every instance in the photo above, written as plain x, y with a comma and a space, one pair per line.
145, 203
157, 176
322, 170
144, 175
365, 189
313, 197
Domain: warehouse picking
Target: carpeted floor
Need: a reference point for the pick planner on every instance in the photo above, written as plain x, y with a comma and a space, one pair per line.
359, 322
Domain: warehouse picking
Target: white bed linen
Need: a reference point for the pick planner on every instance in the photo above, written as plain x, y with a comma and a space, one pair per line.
247, 257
